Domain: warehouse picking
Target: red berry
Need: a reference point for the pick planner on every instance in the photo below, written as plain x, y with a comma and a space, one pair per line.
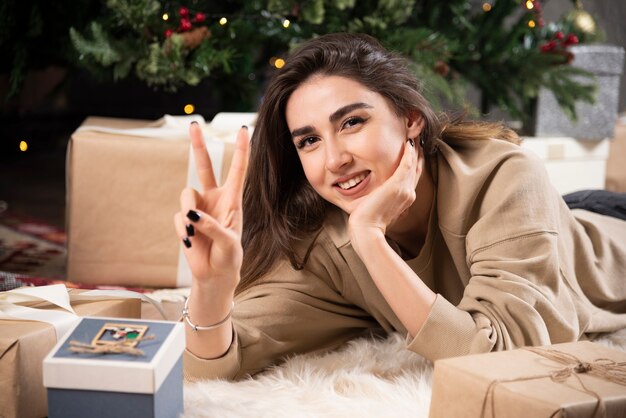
559, 35
548, 46
168, 33
185, 24
200, 17
571, 39
183, 11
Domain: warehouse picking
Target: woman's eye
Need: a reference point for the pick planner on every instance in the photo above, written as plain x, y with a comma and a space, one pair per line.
353, 122
305, 142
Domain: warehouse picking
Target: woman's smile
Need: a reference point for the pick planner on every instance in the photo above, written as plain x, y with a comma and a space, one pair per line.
353, 184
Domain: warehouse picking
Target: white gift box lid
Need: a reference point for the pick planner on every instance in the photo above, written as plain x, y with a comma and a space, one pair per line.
63, 369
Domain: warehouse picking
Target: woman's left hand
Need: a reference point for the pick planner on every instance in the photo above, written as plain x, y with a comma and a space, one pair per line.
390, 201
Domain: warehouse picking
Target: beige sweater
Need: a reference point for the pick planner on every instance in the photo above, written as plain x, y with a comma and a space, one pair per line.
510, 263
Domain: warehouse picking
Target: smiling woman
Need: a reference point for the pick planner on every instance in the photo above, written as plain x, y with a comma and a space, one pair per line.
362, 210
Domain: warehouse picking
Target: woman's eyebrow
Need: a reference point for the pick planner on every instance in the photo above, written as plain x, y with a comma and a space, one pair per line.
337, 114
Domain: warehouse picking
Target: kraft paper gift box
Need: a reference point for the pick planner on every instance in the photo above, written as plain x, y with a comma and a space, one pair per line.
24, 344
519, 384
124, 179
117, 385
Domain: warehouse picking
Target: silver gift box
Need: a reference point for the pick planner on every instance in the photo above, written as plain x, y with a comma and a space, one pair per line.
595, 121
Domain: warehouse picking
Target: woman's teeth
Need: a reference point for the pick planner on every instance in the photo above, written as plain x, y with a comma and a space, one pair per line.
352, 182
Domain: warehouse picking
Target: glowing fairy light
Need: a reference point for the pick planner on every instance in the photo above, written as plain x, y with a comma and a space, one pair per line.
166, 16
223, 21
286, 23
486, 7
23, 146
189, 108
279, 63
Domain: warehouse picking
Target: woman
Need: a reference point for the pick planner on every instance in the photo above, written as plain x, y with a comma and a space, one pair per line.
364, 210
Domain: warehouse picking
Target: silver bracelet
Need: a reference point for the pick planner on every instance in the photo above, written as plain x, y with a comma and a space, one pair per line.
208, 327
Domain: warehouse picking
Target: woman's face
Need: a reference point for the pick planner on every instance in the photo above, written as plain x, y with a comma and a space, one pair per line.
348, 138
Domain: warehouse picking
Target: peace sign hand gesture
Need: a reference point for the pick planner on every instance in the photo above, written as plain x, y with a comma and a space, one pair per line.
210, 221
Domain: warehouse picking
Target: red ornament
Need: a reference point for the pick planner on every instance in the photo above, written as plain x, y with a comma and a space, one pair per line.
185, 24
183, 12
548, 46
168, 33
559, 35
200, 17
571, 39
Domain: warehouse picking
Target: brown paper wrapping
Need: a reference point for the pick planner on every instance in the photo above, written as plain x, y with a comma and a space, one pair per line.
23, 346
122, 194
616, 163
460, 385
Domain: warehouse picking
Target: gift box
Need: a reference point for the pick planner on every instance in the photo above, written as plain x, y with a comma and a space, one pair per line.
25, 343
597, 120
572, 164
86, 383
124, 179
562, 380
616, 163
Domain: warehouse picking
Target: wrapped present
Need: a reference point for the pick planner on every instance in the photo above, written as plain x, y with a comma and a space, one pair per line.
595, 121
107, 368
581, 379
31, 320
124, 179
572, 164
616, 163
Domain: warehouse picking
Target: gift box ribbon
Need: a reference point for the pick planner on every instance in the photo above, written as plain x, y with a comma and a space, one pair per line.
11, 304
606, 369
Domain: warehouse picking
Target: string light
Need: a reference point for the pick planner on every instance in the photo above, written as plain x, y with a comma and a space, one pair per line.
223, 21
166, 16
279, 63
286, 23
486, 7
23, 145
531, 24
189, 108
530, 5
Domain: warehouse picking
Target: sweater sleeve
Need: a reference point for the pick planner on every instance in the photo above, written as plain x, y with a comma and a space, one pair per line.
517, 293
290, 312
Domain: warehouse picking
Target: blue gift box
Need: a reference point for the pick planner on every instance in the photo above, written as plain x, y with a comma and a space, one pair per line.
117, 385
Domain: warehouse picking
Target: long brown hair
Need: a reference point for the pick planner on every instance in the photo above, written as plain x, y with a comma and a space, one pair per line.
280, 206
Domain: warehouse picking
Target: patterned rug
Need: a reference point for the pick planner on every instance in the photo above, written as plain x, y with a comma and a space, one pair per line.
31, 252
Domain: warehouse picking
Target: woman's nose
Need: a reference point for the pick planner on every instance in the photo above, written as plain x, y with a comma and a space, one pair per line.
337, 156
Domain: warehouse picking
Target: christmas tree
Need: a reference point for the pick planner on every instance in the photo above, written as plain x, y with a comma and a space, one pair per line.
501, 46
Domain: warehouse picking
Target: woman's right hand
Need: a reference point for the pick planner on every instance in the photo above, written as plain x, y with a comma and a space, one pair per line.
215, 253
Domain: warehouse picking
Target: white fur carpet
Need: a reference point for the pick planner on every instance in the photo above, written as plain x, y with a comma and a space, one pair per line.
365, 378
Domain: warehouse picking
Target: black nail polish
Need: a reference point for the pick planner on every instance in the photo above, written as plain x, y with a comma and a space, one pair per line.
193, 216
194, 123
187, 242
244, 127
190, 230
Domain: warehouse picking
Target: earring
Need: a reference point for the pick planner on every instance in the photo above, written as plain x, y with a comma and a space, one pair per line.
411, 142
421, 141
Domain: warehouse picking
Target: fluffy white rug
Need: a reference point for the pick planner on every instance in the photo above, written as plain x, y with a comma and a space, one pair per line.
365, 378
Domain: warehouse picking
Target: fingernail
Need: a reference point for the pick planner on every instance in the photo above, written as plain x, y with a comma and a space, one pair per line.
190, 230
411, 142
194, 123
187, 242
193, 215
244, 127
